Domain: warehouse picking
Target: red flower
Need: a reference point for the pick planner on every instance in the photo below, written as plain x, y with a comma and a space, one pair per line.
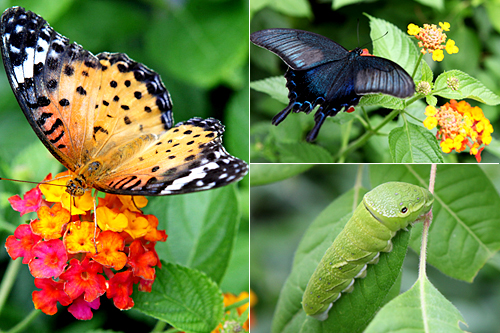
31, 202
51, 293
120, 289
81, 309
83, 278
49, 259
21, 244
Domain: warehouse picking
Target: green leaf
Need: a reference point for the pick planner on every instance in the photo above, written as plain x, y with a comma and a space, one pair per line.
210, 51
352, 312
303, 152
384, 101
420, 309
201, 235
414, 144
185, 298
436, 4
336, 4
431, 100
463, 233
295, 8
469, 88
273, 86
263, 174
396, 45
427, 74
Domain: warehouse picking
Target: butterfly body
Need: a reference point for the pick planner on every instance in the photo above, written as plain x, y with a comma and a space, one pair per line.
107, 118
325, 74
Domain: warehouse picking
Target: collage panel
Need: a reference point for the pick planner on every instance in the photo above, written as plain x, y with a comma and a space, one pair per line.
373, 82
146, 104
337, 248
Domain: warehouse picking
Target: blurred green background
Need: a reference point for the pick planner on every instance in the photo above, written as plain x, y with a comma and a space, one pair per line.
200, 49
475, 28
282, 211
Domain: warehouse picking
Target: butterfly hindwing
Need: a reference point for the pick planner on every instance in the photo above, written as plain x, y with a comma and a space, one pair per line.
379, 75
193, 159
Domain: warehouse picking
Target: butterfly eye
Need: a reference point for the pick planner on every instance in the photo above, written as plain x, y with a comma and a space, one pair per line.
404, 210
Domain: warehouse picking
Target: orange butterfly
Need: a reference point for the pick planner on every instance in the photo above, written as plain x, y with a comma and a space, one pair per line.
107, 118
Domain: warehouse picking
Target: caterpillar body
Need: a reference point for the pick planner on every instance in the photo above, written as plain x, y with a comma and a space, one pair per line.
383, 211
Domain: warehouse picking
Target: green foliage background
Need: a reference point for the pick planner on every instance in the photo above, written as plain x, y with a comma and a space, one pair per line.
474, 27
200, 49
282, 213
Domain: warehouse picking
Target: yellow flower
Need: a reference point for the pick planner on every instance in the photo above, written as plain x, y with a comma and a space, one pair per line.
447, 145
445, 26
413, 29
430, 110
430, 123
450, 47
437, 55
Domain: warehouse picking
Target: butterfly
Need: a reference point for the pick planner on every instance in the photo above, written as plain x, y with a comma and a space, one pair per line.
107, 118
322, 72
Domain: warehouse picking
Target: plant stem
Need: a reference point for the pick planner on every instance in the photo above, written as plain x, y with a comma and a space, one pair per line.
427, 224
8, 281
362, 140
21, 326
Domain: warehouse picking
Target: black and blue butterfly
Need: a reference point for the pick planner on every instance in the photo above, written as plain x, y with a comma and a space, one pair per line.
325, 74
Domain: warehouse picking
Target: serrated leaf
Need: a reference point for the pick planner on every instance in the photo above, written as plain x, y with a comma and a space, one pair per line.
469, 88
183, 297
384, 101
352, 312
273, 86
262, 174
302, 152
431, 100
420, 309
395, 45
427, 74
466, 224
414, 144
202, 236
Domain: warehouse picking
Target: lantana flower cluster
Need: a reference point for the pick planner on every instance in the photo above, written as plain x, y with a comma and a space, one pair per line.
432, 39
459, 125
233, 325
60, 247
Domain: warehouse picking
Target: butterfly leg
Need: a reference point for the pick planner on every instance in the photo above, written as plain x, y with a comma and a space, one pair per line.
283, 114
319, 118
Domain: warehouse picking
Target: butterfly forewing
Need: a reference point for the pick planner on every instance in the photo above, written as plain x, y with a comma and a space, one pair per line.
300, 50
109, 118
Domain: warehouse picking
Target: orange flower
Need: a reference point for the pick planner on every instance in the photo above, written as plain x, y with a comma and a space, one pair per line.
459, 126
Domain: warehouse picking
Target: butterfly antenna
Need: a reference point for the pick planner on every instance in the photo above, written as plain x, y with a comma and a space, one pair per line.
28, 182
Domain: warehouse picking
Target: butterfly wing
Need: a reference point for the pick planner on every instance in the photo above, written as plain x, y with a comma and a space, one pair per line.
300, 50
379, 75
187, 158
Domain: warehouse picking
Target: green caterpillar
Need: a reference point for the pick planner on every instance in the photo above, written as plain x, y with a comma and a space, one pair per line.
384, 210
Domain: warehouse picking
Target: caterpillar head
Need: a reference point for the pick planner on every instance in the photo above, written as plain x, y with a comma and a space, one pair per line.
397, 204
